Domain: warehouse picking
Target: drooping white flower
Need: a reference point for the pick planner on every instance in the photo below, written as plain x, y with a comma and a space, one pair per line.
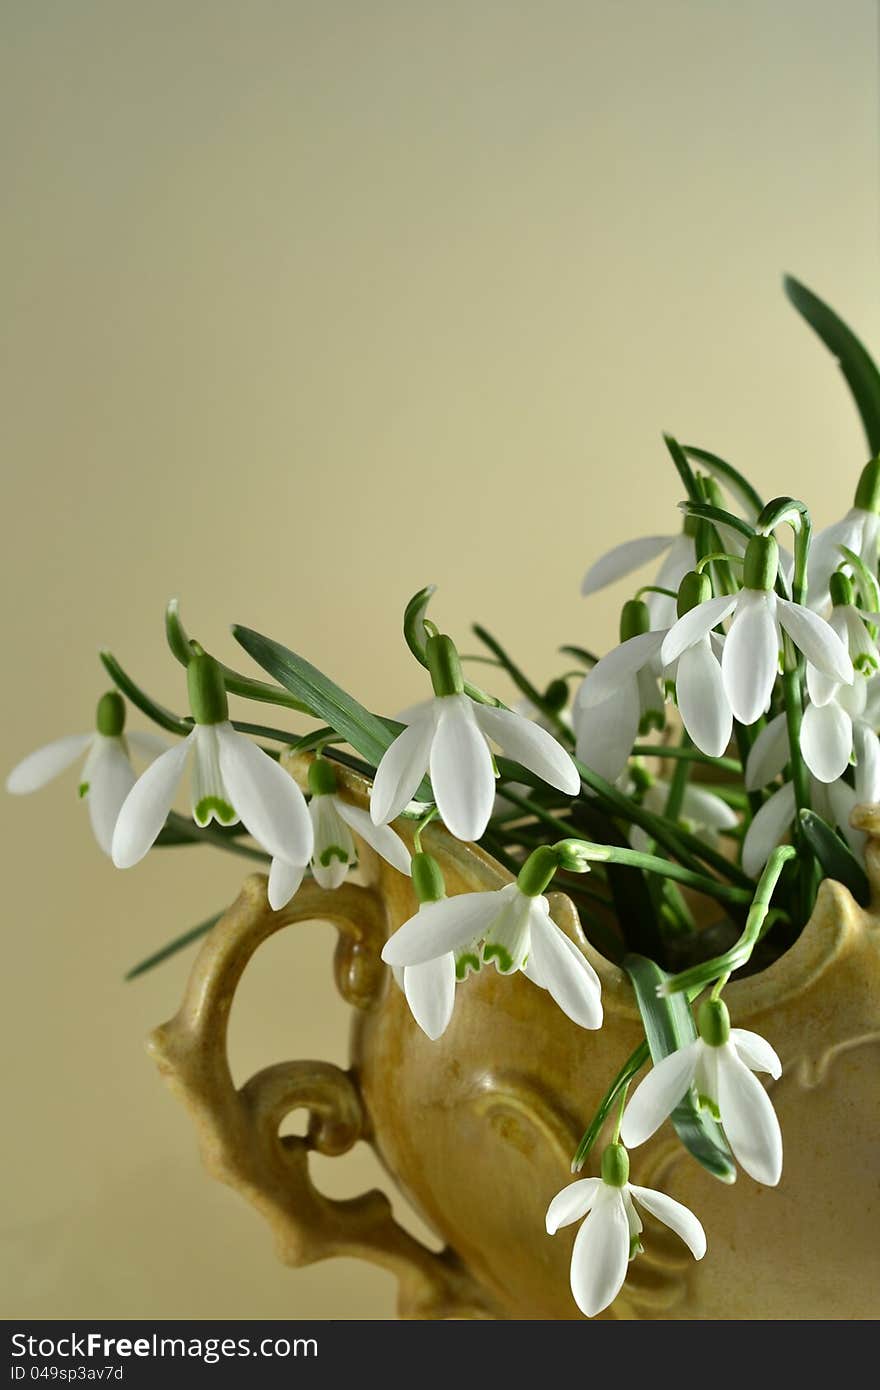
448, 737
232, 780
107, 775
333, 821
610, 1236
833, 800
702, 813
720, 1064
620, 696
511, 929
750, 660
858, 531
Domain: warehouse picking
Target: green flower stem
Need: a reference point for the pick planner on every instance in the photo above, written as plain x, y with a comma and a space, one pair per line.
792, 696
678, 784
172, 723
689, 754
677, 841
665, 868
630, 1068
698, 976
236, 684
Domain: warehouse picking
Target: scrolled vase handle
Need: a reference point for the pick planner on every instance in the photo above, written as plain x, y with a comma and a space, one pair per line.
238, 1130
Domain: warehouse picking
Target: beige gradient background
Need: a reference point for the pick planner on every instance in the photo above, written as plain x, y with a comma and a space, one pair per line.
306, 305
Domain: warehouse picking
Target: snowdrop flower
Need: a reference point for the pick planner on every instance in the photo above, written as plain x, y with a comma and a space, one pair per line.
107, 775
449, 738
750, 660
851, 625
631, 555
516, 931
620, 696
232, 780
859, 531
333, 821
609, 1238
720, 1063
833, 800
702, 812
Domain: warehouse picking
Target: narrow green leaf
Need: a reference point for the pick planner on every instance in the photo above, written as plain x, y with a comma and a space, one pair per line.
366, 732
719, 516
580, 654
172, 947
669, 1026
148, 706
859, 371
731, 477
685, 472
834, 854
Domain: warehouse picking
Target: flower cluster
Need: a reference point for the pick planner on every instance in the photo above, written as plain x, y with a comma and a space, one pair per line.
741, 706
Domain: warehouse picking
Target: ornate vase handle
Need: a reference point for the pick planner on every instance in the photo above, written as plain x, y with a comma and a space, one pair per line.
238, 1130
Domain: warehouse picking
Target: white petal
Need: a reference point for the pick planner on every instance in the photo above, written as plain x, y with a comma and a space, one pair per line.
825, 554
623, 559
147, 744
146, 807
769, 754
334, 852
430, 993
658, 1095
694, 625
702, 702
681, 558
607, 732
617, 669
817, 640
768, 829
675, 1215
40, 767
461, 770
705, 809
267, 799
857, 640
750, 660
756, 1052
112, 778
826, 740
527, 743
284, 880
867, 775
403, 765
572, 1203
601, 1253
564, 970
748, 1119
385, 841
444, 926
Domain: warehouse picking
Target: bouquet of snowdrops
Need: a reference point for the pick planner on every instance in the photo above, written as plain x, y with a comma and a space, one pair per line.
702, 773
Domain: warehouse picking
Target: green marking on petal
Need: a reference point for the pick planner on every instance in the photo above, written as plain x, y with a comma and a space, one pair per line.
82, 790
865, 663
707, 1104
499, 955
333, 852
466, 963
635, 1247
214, 806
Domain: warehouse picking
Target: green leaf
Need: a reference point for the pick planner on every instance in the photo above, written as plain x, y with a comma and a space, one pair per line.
669, 1026
236, 684
173, 947
719, 516
859, 370
366, 732
148, 706
731, 477
685, 472
835, 856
